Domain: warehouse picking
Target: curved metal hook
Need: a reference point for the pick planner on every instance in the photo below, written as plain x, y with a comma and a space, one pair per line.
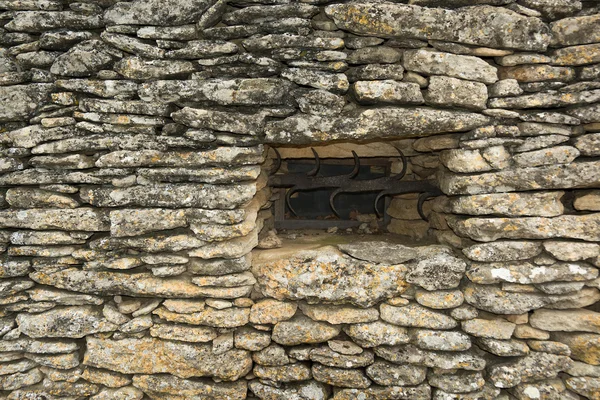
332, 200
356, 169
288, 196
404, 165
381, 194
317, 167
422, 198
277, 163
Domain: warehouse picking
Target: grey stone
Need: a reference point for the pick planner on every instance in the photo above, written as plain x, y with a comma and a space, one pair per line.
440, 340
349, 280
171, 195
461, 382
138, 68
503, 251
324, 355
438, 270
527, 273
588, 145
532, 367
340, 377
414, 315
503, 348
301, 330
379, 252
452, 92
374, 55
495, 300
377, 333
71, 322
235, 122
492, 328
409, 354
336, 83
387, 91
421, 392
366, 124
40, 21
399, 20
566, 226
21, 101
375, 72
132, 45
544, 204
84, 59
438, 63
294, 391
154, 12
550, 99
576, 174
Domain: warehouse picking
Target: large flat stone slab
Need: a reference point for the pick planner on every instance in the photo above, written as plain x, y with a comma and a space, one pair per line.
481, 26
156, 356
363, 124
329, 276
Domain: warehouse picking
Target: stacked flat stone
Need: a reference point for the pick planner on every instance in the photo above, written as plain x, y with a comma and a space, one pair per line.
134, 190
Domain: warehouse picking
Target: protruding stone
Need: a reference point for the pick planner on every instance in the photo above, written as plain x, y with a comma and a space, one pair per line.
303, 330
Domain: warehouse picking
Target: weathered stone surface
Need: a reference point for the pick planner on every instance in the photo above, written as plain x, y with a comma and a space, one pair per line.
414, 315
71, 322
442, 299
532, 367
171, 195
461, 160
543, 204
379, 252
170, 387
138, 68
548, 99
37, 198
294, 391
339, 314
451, 92
409, 354
439, 340
21, 101
234, 122
577, 174
503, 251
398, 20
269, 311
103, 88
84, 59
577, 55
493, 299
303, 330
336, 83
503, 348
152, 356
118, 283
566, 321
421, 392
438, 63
326, 356
493, 329
584, 227
80, 219
40, 21
527, 273
366, 124
226, 318
461, 382
155, 13
387, 91
377, 333
258, 91
184, 333
437, 269
350, 281
285, 373
537, 73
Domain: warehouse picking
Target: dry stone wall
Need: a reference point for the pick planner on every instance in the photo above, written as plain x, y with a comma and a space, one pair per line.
133, 141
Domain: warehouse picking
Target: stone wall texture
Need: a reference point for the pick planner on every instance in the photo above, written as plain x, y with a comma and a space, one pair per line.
134, 154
